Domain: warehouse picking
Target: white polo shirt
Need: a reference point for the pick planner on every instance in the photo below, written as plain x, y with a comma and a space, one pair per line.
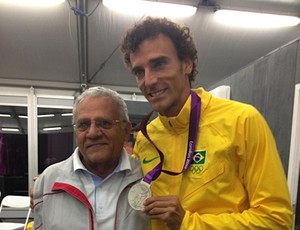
103, 194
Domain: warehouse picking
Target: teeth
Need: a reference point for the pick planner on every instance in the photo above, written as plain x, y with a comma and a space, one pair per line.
157, 93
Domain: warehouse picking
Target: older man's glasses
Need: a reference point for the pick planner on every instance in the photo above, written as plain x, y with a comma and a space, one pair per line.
84, 125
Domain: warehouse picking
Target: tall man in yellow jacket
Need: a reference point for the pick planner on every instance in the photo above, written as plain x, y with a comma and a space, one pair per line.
212, 163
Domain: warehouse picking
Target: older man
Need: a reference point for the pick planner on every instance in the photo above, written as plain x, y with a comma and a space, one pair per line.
90, 189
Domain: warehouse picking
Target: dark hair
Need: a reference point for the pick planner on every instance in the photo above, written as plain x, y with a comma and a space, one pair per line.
152, 27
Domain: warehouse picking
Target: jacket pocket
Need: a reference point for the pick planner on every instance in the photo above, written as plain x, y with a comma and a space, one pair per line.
208, 177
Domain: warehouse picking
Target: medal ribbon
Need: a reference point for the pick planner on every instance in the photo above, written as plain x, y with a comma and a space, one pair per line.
193, 131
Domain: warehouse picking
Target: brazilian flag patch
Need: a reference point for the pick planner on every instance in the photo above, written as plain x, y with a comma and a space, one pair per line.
199, 157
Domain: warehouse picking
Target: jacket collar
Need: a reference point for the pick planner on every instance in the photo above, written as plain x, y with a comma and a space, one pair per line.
71, 176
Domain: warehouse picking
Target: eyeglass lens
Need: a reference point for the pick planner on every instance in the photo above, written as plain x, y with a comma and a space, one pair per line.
100, 124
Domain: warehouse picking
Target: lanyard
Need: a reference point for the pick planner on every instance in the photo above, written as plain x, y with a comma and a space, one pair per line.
193, 131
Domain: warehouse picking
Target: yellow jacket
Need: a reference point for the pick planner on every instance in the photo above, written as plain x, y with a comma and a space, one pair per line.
236, 180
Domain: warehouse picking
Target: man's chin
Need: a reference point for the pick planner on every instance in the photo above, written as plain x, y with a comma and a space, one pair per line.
96, 149
158, 106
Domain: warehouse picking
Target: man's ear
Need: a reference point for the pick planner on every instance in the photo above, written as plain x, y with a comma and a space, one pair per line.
128, 128
188, 66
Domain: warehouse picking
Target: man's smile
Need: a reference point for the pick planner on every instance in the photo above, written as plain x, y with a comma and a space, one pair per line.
157, 93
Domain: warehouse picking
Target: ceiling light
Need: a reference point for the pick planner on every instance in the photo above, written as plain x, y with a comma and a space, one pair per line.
52, 129
23, 116
67, 114
151, 8
5, 115
34, 3
45, 115
10, 129
254, 19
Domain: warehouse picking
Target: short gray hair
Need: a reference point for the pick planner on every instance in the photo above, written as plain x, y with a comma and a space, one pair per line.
104, 92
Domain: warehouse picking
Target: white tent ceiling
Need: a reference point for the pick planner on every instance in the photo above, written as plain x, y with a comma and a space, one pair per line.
40, 46
51, 48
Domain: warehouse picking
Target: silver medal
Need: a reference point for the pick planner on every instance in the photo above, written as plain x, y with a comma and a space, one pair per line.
138, 194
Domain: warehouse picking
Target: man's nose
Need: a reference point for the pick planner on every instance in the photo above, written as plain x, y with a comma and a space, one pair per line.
150, 78
93, 130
